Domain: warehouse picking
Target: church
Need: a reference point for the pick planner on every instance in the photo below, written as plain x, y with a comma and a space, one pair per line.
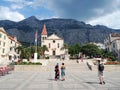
53, 43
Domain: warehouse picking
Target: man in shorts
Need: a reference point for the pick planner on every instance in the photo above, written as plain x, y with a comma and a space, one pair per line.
100, 72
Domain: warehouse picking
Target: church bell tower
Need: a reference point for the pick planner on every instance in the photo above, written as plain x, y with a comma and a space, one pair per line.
43, 35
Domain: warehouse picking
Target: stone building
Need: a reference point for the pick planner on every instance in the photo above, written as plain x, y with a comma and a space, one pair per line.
112, 44
53, 43
8, 46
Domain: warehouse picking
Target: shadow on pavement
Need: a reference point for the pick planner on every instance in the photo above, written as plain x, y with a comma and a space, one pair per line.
51, 79
92, 82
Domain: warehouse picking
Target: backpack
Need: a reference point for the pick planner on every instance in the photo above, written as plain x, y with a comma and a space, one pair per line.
101, 67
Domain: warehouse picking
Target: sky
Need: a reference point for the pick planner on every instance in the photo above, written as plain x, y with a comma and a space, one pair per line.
102, 12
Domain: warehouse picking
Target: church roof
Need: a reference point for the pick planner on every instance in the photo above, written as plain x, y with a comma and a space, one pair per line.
44, 31
54, 36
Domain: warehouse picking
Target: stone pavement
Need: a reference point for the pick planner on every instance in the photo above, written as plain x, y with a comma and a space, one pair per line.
44, 80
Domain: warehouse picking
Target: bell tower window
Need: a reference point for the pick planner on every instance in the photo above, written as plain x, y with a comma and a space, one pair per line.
53, 41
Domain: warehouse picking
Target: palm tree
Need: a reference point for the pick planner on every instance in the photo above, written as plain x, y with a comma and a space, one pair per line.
42, 50
32, 51
27, 53
20, 51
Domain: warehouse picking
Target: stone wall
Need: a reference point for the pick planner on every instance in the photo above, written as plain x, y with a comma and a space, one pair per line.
29, 68
108, 68
69, 67
112, 67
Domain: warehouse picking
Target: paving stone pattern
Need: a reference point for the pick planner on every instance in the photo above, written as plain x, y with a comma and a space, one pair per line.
76, 79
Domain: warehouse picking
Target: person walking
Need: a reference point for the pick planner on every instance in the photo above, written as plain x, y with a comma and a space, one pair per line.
57, 72
63, 72
100, 72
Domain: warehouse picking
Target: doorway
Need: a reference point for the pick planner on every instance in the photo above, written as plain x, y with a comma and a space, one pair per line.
54, 53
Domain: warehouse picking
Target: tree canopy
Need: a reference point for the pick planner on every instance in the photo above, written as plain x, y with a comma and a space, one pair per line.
91, 50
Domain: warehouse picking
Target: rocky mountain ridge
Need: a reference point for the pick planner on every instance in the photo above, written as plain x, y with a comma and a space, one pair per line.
72, 31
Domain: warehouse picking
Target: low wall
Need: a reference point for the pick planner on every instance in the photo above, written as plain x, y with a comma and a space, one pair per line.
108, 68
112, 67
45, 68
29, 68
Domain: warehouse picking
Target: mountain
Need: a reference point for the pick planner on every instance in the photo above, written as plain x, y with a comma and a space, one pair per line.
72, 31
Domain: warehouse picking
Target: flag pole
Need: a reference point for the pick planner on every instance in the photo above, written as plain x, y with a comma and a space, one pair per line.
36, 43
35, 54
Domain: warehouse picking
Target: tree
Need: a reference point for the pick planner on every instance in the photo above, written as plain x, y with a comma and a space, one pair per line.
71, 50
42, 50
27, 53
109, 55
24, 52
65, 46
77, 48
32, 51
91, 50
74, 50
21, 51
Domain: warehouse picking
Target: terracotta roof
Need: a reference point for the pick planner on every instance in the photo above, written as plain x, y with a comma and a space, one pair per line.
115, 35
10, 37
13, 39
115, 40
44, 31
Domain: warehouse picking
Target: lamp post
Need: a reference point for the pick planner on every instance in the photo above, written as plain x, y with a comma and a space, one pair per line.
119, 54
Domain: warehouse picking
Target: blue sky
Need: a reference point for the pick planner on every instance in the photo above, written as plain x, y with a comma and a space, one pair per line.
103, 12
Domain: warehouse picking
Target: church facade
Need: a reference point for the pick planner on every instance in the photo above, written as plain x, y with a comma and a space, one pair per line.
53, 43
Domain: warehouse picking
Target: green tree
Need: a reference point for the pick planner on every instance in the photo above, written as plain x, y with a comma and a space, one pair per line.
27, 53
71, 51
107, 54
32, 51
42, 50
21, 51
65, 47
74, 50
77, 48
91, 50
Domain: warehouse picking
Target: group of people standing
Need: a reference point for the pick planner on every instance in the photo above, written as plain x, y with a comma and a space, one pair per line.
59, 72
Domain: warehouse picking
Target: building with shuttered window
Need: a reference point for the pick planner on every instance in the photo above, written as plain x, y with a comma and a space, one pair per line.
8, 45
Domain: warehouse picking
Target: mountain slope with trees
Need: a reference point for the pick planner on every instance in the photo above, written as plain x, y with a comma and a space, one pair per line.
72, 31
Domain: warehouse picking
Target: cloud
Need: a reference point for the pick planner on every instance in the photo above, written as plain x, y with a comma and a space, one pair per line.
7, 14
104, 12
14, 6
77, 9
110, 20
19, 4
42, 17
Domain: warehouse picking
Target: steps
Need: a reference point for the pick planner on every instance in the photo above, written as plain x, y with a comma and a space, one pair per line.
71, 65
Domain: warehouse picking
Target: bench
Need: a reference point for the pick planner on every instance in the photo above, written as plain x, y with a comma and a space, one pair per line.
5, 70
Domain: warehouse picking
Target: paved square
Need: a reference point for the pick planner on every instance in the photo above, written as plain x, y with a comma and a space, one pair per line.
78, 77
45, 81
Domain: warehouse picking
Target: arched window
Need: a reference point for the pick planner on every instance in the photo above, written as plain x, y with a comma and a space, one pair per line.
58, 45
43, 38
53, 41
49, 45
